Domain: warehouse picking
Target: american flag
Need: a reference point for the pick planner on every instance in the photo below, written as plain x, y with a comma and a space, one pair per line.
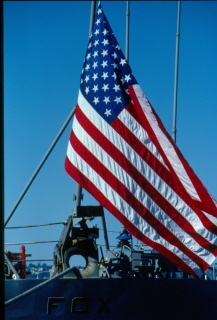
120, 152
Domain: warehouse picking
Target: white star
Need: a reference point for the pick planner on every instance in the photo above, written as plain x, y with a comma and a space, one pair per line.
95, 88
95, 54
95, 64
105, 87
105, 32
88, 56
97, 21
82, 80
99, 11
104, 64
105, 75
114, 65
106, 100
90, 45
104, 53
96, 32
122, 80
116, 87
117, 100
96, 100
114, 54
123, 61
87, 67
114, 76
96, 42
87, 90
86, 78
95, 76
117, 47
108, 112
126, 90
127, 77
104, 42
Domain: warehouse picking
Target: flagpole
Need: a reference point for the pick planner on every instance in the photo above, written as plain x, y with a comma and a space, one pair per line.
127, 30
78, 195
79, 190
174, 129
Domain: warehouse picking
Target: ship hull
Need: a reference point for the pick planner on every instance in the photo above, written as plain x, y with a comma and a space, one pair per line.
133, 298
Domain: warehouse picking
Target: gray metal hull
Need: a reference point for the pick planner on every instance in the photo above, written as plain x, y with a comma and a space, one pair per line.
133, 298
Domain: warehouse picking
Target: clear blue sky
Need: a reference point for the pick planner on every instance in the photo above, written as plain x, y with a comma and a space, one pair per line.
45, 44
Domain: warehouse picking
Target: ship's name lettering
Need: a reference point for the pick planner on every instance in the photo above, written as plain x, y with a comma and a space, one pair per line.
78, 304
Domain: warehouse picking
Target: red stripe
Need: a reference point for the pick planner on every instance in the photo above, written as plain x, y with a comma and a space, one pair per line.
134, 203
201, 190
206, 204
139, 115
88, 185
146, 155
141, 181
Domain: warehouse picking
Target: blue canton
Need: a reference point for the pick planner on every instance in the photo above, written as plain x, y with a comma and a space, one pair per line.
106, 74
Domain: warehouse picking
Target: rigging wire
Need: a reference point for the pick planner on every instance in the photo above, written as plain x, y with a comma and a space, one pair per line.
37, 225
32, 242
49, 224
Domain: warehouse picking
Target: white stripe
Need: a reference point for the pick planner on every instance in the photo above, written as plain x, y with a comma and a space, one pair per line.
211, 218
125, 209
139, 132
144, 169
166, 145
139, 194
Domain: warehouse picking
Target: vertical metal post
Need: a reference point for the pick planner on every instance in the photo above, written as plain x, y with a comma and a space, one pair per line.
174, 129
23, 261
78, 196
213, 271
127, 30
79, 188
105, 231
92, 15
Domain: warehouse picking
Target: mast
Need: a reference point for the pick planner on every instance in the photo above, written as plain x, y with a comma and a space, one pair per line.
174, 129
